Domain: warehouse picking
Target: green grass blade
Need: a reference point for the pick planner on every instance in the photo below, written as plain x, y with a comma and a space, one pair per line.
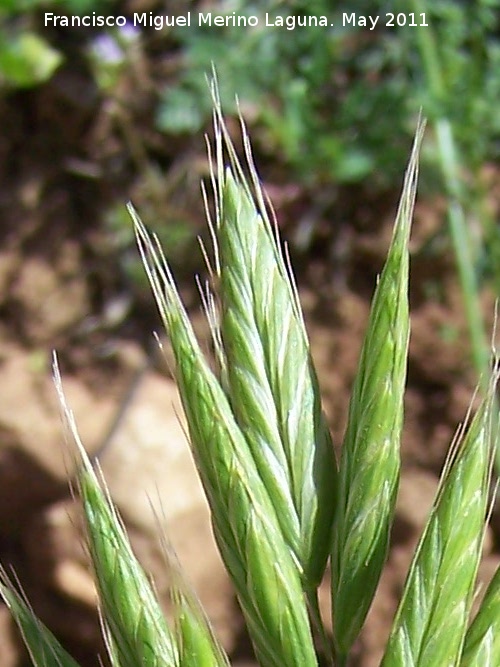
272, 384
44, 649
369, 469
482, 641
261, 564
431, 621
137, 630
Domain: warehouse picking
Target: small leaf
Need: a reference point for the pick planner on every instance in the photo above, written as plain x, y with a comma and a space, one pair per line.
27, 59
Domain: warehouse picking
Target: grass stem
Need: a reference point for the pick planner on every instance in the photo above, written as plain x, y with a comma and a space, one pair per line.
457, 219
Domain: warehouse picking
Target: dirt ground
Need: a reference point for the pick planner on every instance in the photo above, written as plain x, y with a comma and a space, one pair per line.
64, 285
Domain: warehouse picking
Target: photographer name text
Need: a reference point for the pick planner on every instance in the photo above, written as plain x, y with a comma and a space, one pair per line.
234, 20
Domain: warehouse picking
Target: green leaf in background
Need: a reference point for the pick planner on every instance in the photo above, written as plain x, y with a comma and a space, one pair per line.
27, 59
8, 7
85, 6
17, 7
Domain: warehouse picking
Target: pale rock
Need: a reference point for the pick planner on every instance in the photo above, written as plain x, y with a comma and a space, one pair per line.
76, 582
53, 296
35, 461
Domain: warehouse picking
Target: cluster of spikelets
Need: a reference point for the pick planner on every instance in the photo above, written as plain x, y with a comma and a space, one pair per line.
282, 507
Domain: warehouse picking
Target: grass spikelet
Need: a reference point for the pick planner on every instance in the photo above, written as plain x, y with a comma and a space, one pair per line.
431, 621
137, 628
482, 641
129, 607
272, 384
44, 649
197, 647
369, 468
197, 644
245, 523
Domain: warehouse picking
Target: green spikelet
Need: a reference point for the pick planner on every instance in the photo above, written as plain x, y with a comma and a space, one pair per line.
369, 469
244, 519
272, 384
44, 649
432, 618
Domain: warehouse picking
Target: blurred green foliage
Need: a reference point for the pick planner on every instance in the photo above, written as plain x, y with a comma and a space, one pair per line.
340, 102
335, 104
26, 57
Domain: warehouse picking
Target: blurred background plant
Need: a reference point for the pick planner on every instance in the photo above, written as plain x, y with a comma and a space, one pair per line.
333, 108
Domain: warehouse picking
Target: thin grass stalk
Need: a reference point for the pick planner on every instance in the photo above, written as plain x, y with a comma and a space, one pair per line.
431, 621
463, 246
271, 381
44, 649
266, 575
457, 219
482, 641
369, 467
137, 628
